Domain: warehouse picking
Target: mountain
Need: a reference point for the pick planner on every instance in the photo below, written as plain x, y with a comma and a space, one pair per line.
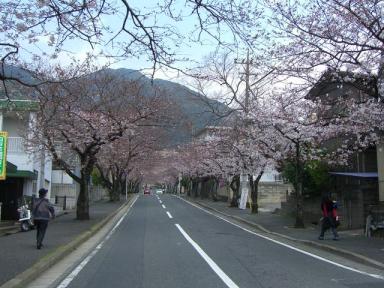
196, 109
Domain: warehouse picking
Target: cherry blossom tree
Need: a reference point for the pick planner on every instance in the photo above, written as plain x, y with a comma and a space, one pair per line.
118, 160
312, 36
78, 118
241, 84
34, 33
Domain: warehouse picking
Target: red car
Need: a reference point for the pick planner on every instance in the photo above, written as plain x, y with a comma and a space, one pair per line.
146, 191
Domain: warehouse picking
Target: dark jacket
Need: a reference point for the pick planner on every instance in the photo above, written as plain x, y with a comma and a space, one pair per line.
42, 209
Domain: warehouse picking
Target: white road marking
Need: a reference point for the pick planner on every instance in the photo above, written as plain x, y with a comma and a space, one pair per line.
224, 277
161, 202
163, 206
289, 246
169, 215
83, 263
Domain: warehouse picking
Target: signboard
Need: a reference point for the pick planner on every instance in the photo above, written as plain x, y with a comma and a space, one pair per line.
243, 198
3, 154
244, 188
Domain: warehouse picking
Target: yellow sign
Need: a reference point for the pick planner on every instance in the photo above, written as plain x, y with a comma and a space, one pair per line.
3, 154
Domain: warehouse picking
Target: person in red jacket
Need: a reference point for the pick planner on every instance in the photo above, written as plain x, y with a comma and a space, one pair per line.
329, 212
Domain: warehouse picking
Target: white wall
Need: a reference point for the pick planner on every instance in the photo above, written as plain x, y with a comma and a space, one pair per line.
26, 161
23, 161
15, 127
61, 177
270, 176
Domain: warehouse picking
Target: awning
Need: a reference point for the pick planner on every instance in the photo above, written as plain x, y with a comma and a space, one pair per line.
357, 174
14, 173
23, 174
11, 167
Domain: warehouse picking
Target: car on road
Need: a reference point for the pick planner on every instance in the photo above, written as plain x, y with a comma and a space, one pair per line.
159, 191
147, 191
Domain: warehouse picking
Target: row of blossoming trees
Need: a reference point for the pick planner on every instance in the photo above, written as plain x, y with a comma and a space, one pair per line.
97, 122
291, 44
274, 120
36, 34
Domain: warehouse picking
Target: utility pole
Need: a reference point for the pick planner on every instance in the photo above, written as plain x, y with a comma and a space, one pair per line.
247, 73
244, 178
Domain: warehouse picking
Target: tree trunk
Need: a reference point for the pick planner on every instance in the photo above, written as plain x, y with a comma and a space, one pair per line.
215, 187
82, 207
299, 223
195, 185
235, 186
254, 184
115, 193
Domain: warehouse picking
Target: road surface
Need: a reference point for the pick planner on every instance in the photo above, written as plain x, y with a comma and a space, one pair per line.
165, 241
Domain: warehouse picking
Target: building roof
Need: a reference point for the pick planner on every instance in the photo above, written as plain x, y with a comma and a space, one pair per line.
356, 174
330, 79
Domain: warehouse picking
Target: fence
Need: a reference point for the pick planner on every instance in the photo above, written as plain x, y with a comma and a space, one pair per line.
97, 193
65, 202
66, 194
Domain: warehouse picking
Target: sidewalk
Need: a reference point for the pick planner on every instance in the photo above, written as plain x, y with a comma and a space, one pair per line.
353, 244
18, 250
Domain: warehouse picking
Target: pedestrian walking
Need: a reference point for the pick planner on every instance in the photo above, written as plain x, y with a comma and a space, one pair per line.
329, 219
42, 211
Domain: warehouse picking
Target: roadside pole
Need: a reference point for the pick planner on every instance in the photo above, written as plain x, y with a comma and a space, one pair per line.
244, 181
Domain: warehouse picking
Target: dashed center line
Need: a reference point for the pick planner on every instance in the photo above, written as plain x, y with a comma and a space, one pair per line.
224, 277
163, 206
169, 215
161, 202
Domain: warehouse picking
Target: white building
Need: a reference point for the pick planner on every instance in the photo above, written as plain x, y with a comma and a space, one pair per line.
27, 171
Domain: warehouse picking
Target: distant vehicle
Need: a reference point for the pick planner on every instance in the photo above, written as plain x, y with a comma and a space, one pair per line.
159, 191
147, 191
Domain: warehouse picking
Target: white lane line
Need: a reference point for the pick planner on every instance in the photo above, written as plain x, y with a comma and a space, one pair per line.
161, 202
289, 246
224, 277
163, 206
169, 215
76, 271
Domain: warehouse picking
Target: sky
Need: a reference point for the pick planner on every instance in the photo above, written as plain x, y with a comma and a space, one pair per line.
194, 52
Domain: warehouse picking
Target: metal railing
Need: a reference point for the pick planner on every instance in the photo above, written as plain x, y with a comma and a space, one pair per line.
16, 145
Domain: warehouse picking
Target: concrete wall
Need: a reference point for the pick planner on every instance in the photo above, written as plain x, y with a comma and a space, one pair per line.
96, 193
271, 194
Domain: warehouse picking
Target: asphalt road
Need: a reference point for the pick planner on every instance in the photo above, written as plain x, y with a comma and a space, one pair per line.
166, 242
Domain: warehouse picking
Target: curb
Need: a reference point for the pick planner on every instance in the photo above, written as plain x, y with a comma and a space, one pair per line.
345, 253
4, 231
47, 261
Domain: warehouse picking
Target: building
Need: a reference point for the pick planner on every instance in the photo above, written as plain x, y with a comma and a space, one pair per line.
360, 185
27, 169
